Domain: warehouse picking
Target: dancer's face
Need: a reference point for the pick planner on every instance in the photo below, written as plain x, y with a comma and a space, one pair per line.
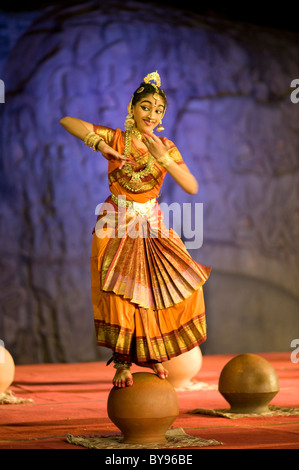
147, 113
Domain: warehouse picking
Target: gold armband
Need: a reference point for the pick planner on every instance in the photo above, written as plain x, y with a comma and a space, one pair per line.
92, 140
165, 160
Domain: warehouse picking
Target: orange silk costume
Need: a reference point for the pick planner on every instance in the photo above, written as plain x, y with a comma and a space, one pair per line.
146, 290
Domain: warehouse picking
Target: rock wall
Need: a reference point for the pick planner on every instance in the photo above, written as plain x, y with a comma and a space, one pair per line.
230, 114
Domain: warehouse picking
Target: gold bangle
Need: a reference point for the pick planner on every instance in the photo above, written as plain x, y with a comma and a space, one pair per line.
88, 136
92, 140
165, 160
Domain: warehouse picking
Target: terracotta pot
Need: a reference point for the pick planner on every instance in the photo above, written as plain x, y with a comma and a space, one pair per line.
7, 369
248, 382
144, 411
182, 369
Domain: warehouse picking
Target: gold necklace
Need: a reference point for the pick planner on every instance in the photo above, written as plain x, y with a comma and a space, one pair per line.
135, 182
137, 133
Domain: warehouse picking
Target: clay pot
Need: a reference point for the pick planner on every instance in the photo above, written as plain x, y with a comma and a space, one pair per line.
248, 382
7, 369
144, 411
182, 369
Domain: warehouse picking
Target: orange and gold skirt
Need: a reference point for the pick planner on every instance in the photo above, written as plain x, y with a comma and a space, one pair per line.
146, 289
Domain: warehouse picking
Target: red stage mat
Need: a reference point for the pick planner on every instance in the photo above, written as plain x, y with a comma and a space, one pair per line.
72, 398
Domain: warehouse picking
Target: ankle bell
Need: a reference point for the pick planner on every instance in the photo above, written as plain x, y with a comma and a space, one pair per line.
125, 365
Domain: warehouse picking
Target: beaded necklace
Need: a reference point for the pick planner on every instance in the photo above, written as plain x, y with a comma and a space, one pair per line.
135, 182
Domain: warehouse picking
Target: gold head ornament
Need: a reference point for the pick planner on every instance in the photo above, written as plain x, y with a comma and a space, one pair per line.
153, 76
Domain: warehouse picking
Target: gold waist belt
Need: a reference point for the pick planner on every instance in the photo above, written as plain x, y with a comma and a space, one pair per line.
139, 207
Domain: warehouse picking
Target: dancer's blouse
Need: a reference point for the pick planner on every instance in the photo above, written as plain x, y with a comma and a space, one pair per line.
120, 181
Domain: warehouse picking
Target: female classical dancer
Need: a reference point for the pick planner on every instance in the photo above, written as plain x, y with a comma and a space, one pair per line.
146, 289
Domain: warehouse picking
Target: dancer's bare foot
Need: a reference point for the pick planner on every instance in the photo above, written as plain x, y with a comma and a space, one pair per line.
123, 378
159, 370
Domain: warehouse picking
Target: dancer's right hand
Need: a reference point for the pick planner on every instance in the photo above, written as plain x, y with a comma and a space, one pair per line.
111, 154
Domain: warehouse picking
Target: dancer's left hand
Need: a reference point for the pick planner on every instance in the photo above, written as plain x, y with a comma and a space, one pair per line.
157, 147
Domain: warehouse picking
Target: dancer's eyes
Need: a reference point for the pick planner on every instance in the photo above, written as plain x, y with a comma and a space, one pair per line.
145, 108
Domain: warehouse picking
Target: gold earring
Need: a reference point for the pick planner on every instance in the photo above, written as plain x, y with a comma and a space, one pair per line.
129, 122
160, 127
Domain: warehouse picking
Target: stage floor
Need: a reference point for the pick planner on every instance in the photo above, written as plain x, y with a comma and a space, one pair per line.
72, 399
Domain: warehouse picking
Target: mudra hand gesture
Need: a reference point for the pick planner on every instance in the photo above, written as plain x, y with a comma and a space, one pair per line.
158, 148
110, 154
